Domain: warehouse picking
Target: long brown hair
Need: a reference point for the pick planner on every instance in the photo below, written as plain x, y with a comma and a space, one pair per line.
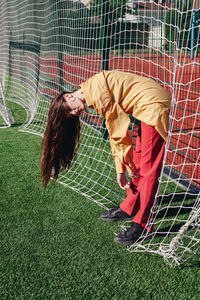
61, 140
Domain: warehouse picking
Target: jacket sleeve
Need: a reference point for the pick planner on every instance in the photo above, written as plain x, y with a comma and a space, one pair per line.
117, 123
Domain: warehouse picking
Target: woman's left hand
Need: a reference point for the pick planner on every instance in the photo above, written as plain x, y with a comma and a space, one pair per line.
122, 181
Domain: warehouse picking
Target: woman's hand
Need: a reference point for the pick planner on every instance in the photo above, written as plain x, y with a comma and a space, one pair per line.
122, 181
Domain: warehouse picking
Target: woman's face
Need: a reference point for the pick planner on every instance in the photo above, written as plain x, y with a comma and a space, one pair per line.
75, 103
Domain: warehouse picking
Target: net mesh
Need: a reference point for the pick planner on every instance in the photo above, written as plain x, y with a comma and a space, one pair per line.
50, 45
6, 116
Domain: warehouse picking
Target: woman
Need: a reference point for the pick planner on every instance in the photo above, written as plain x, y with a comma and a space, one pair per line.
114, 95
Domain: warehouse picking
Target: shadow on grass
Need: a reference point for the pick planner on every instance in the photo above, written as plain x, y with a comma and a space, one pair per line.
183, 205
17, 124
169, 212
175, 198
194, 263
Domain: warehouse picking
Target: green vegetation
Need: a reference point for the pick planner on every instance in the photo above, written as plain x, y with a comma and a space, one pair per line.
117, 9
178, 25
55, 246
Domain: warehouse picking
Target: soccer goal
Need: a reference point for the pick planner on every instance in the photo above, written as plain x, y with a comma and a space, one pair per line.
48, 46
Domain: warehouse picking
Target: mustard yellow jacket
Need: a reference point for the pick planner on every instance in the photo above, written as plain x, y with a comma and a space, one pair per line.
115, 95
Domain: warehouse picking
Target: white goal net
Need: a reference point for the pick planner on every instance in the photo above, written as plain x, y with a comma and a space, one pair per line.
50, 45
6, 117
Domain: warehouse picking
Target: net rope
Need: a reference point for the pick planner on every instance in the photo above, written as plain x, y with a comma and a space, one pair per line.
50, 45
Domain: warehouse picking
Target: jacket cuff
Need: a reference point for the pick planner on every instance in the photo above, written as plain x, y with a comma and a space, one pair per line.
120, 168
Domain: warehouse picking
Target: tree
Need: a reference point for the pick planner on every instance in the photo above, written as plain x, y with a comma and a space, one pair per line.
117, 9
178, 24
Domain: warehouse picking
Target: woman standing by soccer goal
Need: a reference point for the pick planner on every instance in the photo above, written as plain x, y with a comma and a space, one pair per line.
114, 95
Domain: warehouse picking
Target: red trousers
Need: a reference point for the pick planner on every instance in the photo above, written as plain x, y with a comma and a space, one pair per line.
147, 157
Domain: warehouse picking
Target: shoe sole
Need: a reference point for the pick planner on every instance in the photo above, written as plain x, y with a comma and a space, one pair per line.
116, 219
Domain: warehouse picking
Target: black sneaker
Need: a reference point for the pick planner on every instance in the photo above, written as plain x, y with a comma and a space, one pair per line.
115, 214
131, 235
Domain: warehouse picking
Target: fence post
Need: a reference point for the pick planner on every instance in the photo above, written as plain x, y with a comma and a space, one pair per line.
105, 38
192, 35
59, 43
105, 43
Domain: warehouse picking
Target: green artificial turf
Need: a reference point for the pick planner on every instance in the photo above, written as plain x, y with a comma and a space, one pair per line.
55, 246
